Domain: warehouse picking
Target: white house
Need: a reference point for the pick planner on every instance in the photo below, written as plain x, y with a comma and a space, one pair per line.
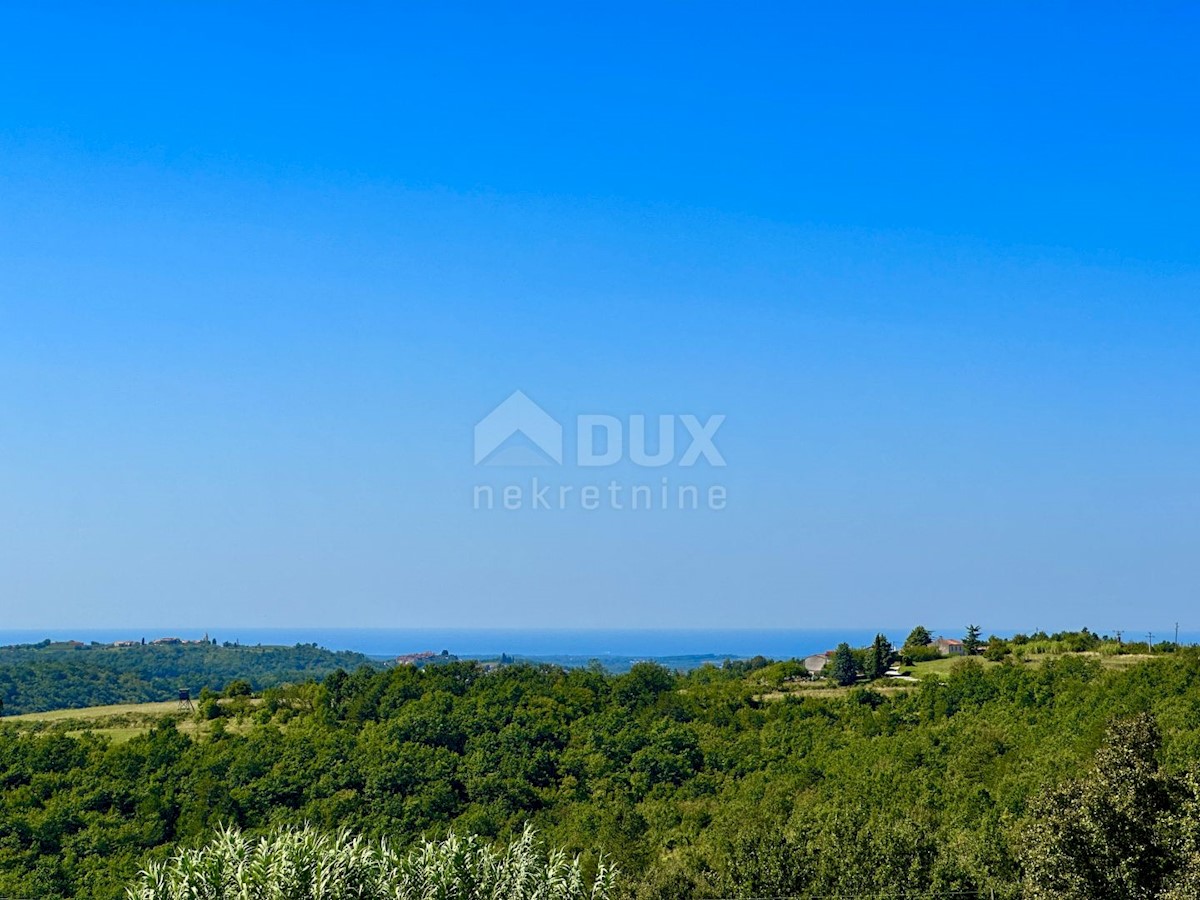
816, 663
949, 646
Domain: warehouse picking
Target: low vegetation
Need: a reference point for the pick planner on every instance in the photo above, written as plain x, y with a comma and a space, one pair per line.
306, 864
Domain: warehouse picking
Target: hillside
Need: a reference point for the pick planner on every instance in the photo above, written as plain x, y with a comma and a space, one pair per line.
42, 677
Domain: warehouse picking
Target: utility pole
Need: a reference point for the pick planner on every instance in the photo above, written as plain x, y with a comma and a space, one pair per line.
1176, 635
1150, 641
1118, 637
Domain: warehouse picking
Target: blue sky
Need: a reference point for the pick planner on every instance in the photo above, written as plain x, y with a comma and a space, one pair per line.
262, 269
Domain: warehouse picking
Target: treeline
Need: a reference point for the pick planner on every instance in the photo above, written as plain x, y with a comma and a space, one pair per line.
692, 784
40, 677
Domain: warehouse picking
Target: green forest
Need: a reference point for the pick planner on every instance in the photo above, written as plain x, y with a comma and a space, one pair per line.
45, 676
1060, 777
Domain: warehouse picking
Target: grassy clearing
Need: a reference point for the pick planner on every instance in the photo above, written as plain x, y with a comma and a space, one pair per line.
1112, 661
940, 668
121, 722
118, 735
99, 712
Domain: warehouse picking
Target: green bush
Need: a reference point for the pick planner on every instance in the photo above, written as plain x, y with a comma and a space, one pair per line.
926, 653
997, 649
210, 709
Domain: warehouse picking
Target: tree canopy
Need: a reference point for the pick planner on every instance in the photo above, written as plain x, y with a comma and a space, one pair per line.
919, 637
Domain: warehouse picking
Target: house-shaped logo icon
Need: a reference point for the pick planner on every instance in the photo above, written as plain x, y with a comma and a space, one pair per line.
518, 432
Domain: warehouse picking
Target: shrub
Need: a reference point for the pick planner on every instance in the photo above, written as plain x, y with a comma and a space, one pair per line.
210, 709
306, 864
997, 649
921, 654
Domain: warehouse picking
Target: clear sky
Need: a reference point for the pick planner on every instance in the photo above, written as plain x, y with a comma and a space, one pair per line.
264, 267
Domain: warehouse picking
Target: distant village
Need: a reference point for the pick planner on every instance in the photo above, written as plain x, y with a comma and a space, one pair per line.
162, 642
142, 642
425, 658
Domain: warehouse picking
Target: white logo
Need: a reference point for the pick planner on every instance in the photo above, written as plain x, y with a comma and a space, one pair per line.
518, 432
612, 428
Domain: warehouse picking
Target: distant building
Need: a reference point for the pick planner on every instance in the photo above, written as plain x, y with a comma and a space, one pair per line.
414, 659
126, 644
816, 663
167, 640
949, 646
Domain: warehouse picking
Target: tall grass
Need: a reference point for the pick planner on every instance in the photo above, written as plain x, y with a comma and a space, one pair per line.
307, 864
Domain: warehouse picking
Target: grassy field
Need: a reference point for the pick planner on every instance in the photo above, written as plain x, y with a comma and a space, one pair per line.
123, 721
1124, 661
939, 668
92, 713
